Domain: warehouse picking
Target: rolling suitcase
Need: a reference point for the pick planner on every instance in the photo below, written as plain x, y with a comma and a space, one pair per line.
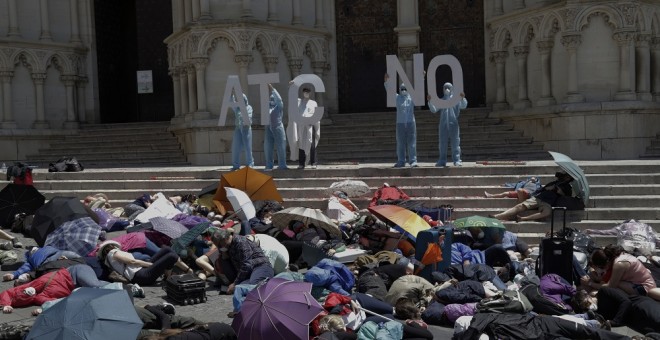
556, 253
424, 238
186, 289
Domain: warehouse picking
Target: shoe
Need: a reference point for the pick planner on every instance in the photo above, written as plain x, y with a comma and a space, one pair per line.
301, 167
16, 243
6, 246
268, 169
234, 169
282, 168
293, 268
440, 165
313, 166
231, 315
102, 235
458, 164
398, 165
414, 165
136, 290
168, 308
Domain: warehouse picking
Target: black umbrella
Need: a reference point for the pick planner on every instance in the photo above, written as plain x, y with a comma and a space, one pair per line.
16, 199
54, 213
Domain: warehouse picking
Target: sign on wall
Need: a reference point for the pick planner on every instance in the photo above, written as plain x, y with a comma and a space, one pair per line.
145, 81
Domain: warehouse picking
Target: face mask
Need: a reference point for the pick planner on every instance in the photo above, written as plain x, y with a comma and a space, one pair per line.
404, 92
593, 306
481, 234
447, 92
271, 103
223, 249
306, 95
267, 220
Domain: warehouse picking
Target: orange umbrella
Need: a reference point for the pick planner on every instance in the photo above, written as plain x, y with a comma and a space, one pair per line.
432, 255
257, 185
405, 220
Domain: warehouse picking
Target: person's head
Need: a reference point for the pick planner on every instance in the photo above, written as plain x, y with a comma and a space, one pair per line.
563, 176
266, 215
222, 238
582, 302
296, 226
306, 92
477, 233
332, 323
447, 89
604, 258
405, 309
105, 247
271, 101
403, 90
340, 194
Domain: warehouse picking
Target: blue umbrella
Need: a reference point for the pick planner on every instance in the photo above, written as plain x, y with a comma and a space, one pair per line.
89, 313
568, 165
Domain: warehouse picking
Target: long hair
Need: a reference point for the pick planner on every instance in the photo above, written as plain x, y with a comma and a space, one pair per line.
606, 256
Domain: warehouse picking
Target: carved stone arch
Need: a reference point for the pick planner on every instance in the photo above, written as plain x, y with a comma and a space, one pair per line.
642, 22
4, 62
526, 33
60, 62
551, 25
612, 17
264, 44
290, 48
655, 24
26, 58
502, 39
314, 50
210, 41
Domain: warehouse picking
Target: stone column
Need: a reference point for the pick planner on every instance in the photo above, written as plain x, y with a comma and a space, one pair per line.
183, 76
75, 27
45, 24
177, 92
571, 43
518, 4
270, 62
545, 47
498, 8
40, 122
296, 19
295, 65
192, 89
643, 62
246, 11
656, 68
499, 57
82, 108
319, 67
272, 11
200, 70
69, 83
521, 53
181, 13
205, 10
243, 61
320, 20
8, 115
626, 66
187, 12
176, 9
195, 10
14, 31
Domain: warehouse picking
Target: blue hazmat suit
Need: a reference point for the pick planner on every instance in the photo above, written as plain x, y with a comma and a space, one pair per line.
274, 134
448, 129
406, 129
242, 137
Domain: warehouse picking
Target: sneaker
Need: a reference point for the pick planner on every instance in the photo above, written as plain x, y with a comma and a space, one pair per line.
301, 167
440, 165
313, 166
16, 243
282, 168
268, 169
6, 246
168, 308
414, 165
398, 165
458, 164
136, 290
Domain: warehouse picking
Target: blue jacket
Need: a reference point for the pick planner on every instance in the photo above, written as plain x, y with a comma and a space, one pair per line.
332, 275
41, 256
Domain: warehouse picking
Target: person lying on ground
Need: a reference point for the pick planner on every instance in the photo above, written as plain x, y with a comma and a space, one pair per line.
13, 241
35, 257
521, 190
625, 272
543, 200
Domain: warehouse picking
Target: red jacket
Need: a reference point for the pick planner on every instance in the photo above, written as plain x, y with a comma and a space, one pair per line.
388, 195
60, 286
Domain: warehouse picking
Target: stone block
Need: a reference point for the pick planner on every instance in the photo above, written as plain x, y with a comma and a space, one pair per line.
623, 148
599, 126
201, 141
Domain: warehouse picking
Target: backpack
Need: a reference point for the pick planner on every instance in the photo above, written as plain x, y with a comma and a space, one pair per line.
508, 302
388, 195
540, 303
20, 173
22, 224
68, 164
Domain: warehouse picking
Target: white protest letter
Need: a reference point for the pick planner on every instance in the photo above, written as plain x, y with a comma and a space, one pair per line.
456, 78
263, 80
294, 115
233, 84
394, 68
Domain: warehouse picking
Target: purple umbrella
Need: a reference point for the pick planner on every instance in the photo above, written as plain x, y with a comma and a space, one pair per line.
170, 228
278, 309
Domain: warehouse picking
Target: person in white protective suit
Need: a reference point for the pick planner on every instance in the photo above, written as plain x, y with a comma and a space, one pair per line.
448, 129
406, 128
307, 135
242, 137
274, 135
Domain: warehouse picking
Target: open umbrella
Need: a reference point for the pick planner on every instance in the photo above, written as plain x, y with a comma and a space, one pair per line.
478, 222
79, 236
307, 216
170, 228
52, 214
568, 165
15, 199
89, 313
406, 221
276, 252
182, 242
278, 309
352, 188
257, 185
241, 203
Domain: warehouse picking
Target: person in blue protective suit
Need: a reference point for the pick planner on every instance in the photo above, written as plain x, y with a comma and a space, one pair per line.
448, 129
406, 128
242, 137
274, 135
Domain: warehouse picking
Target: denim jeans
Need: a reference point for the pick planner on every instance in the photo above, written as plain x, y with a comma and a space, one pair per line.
84, 276
446, 133
275, 138
242, 142
406, 141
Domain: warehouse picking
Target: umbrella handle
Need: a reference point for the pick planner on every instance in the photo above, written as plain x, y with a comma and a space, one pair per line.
374, 313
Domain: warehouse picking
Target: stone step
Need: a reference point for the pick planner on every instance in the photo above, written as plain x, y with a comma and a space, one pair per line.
501, 152
379, 125
114, 153
386, 135
105, 162
431, 141
82, 149
118, 127
119, 142
128, 137
534, 239
420, 115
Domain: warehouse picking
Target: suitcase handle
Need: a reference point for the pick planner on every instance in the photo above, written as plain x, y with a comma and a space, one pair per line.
552, 220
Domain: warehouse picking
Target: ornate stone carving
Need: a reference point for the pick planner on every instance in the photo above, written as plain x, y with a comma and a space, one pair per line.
606, 18
38, 77
499, 56
195, 38
320, 65
545, 46
244, 38
623, 37
406, 53
655, 43
23, 60
8, 52
569, 14
529, 35
491, 35
521, 51
6, 75
243, 60
295, 63
68, 79
628, 13
643, 40
571, 41
555, 28
200, 63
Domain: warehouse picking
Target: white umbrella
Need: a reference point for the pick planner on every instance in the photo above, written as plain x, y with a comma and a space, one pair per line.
351, 187
275, 251
240, 201
307, 216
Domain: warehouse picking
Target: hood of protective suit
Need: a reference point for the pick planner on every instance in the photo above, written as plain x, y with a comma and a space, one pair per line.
403, 90
447, 90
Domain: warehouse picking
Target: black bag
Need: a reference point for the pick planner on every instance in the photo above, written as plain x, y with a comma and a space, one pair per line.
540, 303
68, 164
22, 224
186, 289
510, 301
556, 253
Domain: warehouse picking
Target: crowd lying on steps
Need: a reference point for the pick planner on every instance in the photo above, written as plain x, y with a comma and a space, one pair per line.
491, 288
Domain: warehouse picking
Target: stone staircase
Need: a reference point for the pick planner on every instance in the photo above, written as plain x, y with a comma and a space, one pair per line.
126, 145
482, 138
619, 190
653, 150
